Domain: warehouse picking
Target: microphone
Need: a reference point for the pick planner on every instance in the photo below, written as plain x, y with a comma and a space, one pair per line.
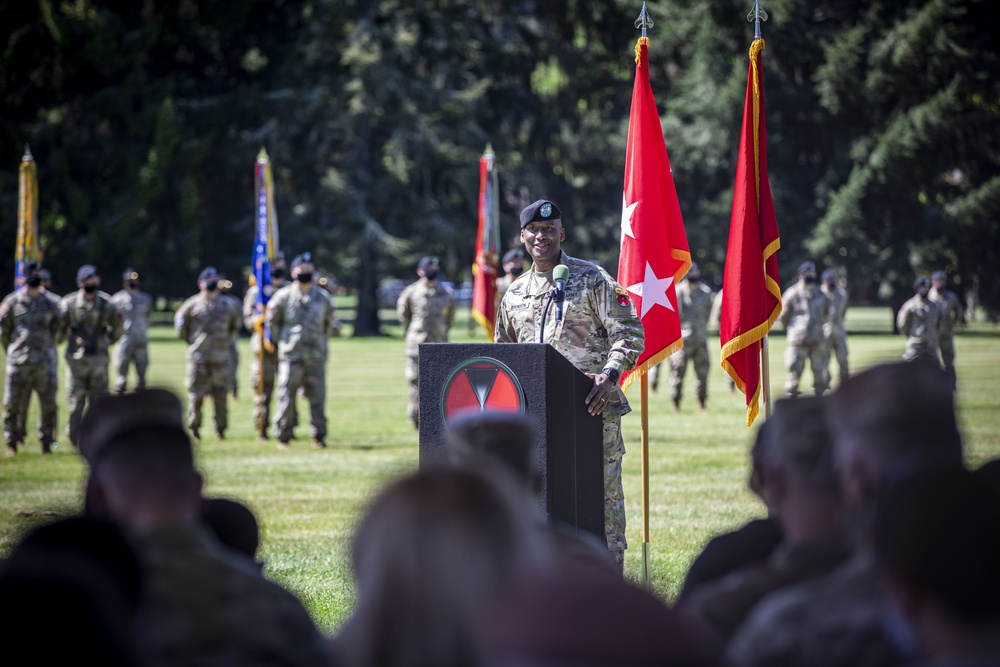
560, 274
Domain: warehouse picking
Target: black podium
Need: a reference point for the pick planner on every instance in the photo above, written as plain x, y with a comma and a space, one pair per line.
535, 378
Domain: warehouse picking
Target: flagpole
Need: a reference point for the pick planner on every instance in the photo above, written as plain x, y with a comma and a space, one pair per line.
757, 15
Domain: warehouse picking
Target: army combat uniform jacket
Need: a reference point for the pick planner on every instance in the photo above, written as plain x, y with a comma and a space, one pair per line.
302, 322
207, 325
599, 329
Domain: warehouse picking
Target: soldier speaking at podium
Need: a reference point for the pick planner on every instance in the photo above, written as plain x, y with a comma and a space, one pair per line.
592, 323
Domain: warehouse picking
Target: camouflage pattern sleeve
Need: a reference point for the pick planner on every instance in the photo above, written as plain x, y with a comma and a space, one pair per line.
250, 307
903, 319
403, 310
622, 323
449, 312
113, 321
6, 322
182, 322
503, 332
276, 312
64, 319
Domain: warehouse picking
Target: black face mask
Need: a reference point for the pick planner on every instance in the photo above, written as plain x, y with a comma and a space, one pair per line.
694, 279
304, 277
430, 275
517, 270
33, 281
132, 284
922, 293
809, 280
277, 273
211, 285
90, 289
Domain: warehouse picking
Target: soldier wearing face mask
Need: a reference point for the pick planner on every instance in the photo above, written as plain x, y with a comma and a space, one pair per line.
29, 327
136, 309
207, 323
513, 266
263, 355
919, 320
804, 311
90, 324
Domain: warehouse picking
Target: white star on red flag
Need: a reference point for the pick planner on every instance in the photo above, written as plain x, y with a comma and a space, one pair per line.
653, 291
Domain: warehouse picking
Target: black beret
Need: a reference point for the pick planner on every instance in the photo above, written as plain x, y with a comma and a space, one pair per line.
427, 261
514, 255
32, 265
922, 281
208, 272
304, 258
807, 267
130, 274
829, 274
939, 275
541, 210
86, 271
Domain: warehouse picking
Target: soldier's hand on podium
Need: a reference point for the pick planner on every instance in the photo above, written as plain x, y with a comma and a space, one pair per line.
598, 397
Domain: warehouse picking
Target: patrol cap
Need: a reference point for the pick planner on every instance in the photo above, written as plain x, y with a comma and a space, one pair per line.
541, 210
130, 274
939, 275
922, 281
304, 258
829, 274
208, 272
807, 267
86, 271
109, 417
427, 261
513, 256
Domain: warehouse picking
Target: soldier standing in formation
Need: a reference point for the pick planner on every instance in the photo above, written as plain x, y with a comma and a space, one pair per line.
513, 266
804, 311
225, 289
601, 335
919, 320
90, 323
426, 310
136, 310
264, 356
29, 329
694, 305
950, 313
207, 323
301, 317
835, 329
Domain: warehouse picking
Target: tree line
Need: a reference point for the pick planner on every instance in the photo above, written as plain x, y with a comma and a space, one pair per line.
883, 125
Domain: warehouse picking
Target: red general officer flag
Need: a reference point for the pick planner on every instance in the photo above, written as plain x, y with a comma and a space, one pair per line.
751, 295
484, 271
654, 247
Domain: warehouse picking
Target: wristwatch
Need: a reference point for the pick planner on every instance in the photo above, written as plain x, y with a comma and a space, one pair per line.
612, 374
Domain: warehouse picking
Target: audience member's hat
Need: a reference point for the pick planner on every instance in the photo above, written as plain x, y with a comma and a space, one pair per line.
829, 274
939, 275
797, 430
922, 281
304, 258
130, 274
427, 261
514, 255
208, 272
109, 417
541, 211
86, 271
807, 267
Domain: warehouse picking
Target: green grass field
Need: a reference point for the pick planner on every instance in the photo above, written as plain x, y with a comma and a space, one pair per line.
308, 501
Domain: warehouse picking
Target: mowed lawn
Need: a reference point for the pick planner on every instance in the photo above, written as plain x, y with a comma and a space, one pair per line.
308, 501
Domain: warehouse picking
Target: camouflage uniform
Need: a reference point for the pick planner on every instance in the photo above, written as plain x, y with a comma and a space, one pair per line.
234, 350
207, 325
804, 311
204, 607
835, 330
261, 358
949, 312
301, 322
503, 284
919, 320
426, 311
29, 329
834, 621
599, 330
90, 327
136, 311
694, 305
723, 605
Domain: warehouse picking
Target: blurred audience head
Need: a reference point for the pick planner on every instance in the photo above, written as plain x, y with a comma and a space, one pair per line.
493, 439
234, 525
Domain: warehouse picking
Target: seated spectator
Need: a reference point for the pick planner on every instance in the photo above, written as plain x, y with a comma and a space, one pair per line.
84, 576
803, 495
888, 418
751, 544
937, 537
234, 525
502, 442
432, 551
203, 607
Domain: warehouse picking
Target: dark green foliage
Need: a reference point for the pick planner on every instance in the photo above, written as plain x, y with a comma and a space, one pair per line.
145, 119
